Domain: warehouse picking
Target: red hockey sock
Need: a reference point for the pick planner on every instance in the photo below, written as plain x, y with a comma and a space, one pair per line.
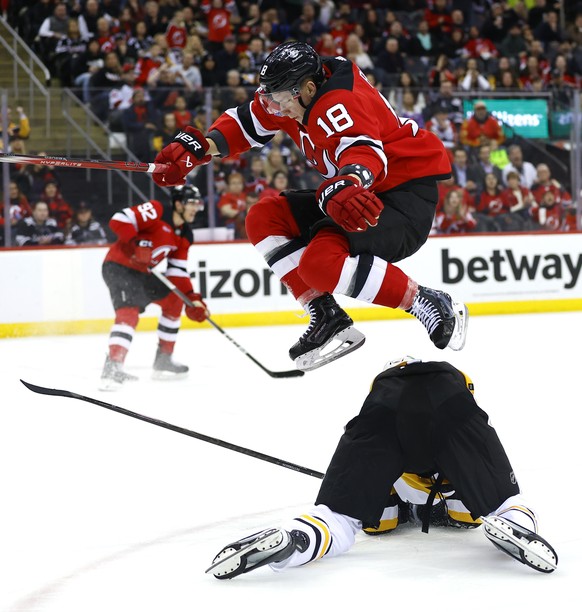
166, 347
121, 334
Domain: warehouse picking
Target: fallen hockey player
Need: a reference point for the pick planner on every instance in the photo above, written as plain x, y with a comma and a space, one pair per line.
421, 449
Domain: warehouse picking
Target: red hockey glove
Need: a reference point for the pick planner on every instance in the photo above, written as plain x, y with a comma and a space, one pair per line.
182, 155
143, 251
198, 312
349, 204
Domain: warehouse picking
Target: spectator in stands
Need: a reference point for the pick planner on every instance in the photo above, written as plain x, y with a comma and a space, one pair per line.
441, 72
164, 87
454, 217
544, 183
481, 127
255, 178
474, 80
232, 204
497, 24
490, 205
518, 199
17, 130
465, 174
149, 61
52, 29
67, 52
165, 134
84, 66
443, 127
453, 45
531, 73
479, 47
110, 76
279, 182
275, 161
155, 21
411, 107
485, 166
574, 31
89, 17
513, 45
525, 170
140, 41
549, 30
19, 209
506, 79
140, 122
422, 42
499, 155
548, 213
39, 229
439, 19
59, 209
105, 35
447, 100
211, 75
227, 57
85, 230
355, 52
219, 25
182, 114
390, 60
176, 34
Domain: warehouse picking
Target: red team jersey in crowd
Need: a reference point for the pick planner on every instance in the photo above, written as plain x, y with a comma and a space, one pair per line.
348, 122
147, 222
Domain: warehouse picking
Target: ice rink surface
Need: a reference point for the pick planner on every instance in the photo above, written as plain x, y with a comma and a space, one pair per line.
101, 512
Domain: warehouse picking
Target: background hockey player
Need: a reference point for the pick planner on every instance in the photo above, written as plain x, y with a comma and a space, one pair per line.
375, 206
146, 235
419, 423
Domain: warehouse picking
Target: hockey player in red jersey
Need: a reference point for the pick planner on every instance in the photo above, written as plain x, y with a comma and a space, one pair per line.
420, 449
146, 235
375, 206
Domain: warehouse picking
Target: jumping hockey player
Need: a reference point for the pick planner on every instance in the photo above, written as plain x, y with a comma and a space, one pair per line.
375, 206
420, 444
146, 235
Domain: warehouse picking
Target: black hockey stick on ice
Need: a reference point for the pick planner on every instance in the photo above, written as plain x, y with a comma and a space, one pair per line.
182, 430
188, 302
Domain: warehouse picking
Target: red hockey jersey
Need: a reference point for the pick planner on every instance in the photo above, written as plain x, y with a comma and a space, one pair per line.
348, 122
147, 221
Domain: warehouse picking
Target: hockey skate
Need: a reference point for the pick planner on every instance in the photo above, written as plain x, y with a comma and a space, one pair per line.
520, 543
165, 368
257, 550
445, 320
328, 325
113, 376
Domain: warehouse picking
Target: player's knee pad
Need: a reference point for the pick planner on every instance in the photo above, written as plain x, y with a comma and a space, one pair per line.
323, 260
128, 315
171, 306
270, 216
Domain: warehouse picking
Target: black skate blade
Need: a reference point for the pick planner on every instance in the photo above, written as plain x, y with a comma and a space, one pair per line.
349, 340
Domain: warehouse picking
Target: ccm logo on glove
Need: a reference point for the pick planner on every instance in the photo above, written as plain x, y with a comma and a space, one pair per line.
350, 205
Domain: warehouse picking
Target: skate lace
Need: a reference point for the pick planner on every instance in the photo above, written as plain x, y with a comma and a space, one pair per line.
427, 313
312, 320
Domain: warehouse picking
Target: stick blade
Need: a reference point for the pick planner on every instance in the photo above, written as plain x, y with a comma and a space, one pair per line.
287, 374
45, 390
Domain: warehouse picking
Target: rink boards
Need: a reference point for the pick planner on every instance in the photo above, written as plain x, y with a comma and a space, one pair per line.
60, 290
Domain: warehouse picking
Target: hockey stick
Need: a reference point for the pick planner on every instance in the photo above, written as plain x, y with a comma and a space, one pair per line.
95, 164
188, 302
182, 430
